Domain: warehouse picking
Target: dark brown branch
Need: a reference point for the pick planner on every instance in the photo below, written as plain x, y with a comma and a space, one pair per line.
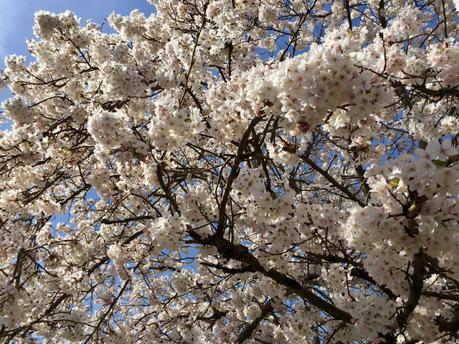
417, 283
381, 17
247, 331
348, 14
127, 220
332, 180
112, 305
242, 254
363, 274
233, 175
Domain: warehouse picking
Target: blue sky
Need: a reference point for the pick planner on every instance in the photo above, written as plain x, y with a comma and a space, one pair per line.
16, 19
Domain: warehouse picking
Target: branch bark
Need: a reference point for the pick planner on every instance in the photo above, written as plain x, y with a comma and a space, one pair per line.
247, 331
241, 253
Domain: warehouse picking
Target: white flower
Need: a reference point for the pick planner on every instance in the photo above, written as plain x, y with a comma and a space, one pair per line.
441, 151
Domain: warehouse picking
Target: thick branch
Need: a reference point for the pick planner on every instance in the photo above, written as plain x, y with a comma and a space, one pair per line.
241, 253
417, 283
247, 332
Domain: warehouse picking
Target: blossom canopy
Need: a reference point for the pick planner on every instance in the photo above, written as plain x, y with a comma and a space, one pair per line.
234, 171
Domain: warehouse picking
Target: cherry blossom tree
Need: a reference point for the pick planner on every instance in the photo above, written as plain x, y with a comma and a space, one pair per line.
234, 171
